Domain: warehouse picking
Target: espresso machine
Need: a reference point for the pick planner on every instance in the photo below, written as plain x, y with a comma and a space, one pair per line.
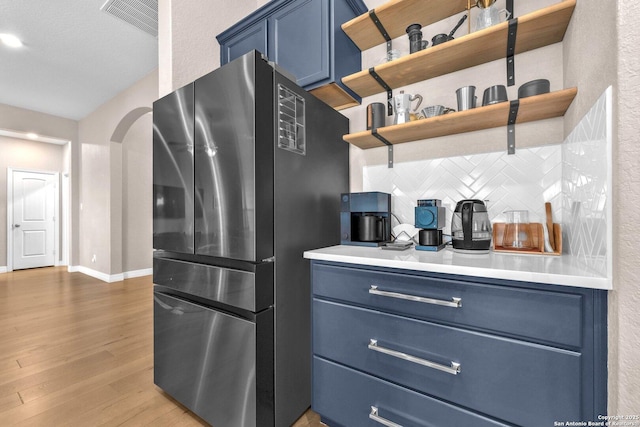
430, 218
365, 219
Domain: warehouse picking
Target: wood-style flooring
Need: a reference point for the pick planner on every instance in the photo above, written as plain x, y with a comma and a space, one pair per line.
76, 351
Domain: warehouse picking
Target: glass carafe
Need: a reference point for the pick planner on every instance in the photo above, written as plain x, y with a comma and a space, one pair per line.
489, 14
517, 231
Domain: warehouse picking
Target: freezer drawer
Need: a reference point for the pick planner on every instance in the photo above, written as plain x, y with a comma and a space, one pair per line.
516, 381
207, 360
250, 290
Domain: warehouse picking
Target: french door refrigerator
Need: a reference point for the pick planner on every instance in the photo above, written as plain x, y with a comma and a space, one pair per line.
248, 169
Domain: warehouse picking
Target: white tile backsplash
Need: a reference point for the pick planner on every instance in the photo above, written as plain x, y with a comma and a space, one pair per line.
525, 180
574, 176
586, 186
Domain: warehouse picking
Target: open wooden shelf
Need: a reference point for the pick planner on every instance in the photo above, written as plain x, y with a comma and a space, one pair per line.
539, 107
335, 96
537, 29
396, 15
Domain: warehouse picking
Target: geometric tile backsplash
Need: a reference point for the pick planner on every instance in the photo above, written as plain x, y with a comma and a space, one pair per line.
525, 180
573, 176
586, 186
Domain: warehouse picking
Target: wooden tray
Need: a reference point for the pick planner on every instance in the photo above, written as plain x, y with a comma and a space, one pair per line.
537, 236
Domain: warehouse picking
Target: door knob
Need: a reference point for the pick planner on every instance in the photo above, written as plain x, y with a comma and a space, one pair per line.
16, 225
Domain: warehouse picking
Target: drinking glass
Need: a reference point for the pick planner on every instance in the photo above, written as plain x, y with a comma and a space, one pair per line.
517, 232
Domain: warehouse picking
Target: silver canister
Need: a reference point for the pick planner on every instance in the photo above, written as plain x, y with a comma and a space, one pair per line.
466, 98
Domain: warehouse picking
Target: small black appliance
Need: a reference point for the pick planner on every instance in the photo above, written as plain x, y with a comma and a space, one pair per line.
430, 218
365, 218
470, 227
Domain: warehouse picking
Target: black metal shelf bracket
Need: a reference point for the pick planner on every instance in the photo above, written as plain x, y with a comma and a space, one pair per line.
511, 78
511, 49
511, 126
386, 87
375, 133
385, 34
380, 27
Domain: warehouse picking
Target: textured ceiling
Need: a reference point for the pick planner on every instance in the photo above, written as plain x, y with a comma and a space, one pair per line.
75, 57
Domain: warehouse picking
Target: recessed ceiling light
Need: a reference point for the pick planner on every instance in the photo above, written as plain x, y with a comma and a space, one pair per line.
32, 136
10, 40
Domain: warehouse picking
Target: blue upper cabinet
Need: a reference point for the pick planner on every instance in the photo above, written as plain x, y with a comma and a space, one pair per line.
298, 35
252, 38
305, 38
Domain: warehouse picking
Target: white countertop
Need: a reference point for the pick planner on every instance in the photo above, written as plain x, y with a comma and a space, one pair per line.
556, 270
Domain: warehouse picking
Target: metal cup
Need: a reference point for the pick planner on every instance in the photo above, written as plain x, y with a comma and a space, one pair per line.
375, 115
494, 95
466, 98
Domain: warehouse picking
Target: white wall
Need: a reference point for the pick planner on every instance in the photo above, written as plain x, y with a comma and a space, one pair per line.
624, 316
108, 200
137, 177
187, 34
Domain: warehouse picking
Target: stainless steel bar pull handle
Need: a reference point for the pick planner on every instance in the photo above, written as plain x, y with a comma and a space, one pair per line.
454, 369
377, 418
455, 302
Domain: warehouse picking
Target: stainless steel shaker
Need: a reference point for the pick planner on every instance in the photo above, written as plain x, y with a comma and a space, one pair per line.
466, 98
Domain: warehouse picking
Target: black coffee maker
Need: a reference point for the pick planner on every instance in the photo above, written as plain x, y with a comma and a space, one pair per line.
365, 218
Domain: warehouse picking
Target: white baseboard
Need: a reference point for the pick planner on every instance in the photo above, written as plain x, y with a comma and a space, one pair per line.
138, 273
110, 278
97, 274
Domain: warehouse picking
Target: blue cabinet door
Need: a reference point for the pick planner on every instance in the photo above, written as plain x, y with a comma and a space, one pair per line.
254, 37
299, 40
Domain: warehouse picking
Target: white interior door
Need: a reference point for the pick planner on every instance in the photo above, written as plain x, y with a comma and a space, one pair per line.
33, 227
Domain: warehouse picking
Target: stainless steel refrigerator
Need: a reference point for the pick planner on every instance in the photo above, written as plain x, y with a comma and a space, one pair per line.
248, 169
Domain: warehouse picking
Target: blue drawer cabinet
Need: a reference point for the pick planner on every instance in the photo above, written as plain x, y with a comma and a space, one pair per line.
518, 312
305, 38
477, 351
353, 397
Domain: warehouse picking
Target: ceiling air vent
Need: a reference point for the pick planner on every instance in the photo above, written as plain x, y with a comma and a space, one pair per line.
142, 14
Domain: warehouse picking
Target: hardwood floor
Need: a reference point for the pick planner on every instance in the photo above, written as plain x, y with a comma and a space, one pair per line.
76, 351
